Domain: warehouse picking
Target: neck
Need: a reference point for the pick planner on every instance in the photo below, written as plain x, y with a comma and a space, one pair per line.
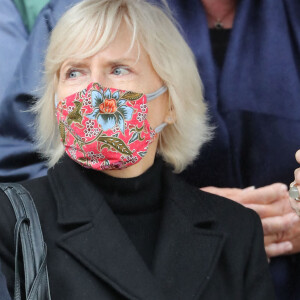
222, 11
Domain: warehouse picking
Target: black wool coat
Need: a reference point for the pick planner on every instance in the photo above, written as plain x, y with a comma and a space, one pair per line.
208, 247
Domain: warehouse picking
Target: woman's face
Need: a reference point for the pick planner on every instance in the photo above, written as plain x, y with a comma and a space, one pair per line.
116, 67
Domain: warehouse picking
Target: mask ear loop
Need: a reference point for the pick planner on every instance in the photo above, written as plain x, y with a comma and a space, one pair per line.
56, 101
160, 127
152, 96
157, 93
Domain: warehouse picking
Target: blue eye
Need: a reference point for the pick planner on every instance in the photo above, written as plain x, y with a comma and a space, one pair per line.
120, 71
73, 74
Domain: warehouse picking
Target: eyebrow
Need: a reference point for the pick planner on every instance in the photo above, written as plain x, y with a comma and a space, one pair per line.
112, 62
76, 64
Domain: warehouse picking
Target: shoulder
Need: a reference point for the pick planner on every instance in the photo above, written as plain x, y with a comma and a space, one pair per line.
38, 186
228, 215
39, 190
224, 207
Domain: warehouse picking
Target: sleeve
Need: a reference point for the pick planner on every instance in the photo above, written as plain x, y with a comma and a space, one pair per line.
18, 159
13, 36
258, 283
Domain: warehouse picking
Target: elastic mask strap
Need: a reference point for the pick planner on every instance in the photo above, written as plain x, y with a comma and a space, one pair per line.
160, 127
157, 93
56, 101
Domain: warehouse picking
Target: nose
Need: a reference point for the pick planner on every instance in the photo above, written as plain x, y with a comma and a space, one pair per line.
99, 77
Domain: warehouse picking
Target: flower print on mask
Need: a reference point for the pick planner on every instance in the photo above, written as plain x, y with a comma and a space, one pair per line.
105, 128
109, 109
90, 129
141, 117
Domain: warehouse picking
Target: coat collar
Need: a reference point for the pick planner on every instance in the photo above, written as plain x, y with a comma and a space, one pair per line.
187, 249
189, 244
77, 198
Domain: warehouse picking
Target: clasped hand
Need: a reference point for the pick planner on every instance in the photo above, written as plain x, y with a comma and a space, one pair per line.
281, 225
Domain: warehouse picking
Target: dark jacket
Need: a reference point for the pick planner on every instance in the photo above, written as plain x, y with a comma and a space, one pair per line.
207, 247
3, 287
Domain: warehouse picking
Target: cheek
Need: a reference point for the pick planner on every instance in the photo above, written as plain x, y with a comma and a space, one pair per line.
157, 110
65, 90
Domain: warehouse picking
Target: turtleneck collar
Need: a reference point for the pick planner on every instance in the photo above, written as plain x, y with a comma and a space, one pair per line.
131, 195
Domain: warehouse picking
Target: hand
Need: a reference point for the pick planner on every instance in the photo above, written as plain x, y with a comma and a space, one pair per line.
296, 204
271, 203
290, 236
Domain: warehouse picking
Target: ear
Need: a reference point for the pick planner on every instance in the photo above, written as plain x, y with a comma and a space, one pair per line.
170, 117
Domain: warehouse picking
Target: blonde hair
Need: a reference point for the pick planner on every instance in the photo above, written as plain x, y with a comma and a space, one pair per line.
91, 25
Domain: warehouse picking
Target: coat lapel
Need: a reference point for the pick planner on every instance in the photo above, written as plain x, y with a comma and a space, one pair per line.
103, 247
98, 241
188, 247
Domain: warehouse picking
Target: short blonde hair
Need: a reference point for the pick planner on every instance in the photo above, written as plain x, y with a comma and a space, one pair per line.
91, 25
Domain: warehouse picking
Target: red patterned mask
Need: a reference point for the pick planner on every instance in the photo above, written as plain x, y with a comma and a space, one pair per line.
105, 128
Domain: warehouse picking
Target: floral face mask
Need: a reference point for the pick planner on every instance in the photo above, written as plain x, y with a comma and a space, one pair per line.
105, 128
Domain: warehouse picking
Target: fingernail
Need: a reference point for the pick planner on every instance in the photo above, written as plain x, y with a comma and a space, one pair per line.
288, 246
249, 188
283, 188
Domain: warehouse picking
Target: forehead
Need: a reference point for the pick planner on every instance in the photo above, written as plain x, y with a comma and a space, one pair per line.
123, 48
124, 44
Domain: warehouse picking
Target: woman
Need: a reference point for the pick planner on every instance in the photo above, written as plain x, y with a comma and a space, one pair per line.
122, 107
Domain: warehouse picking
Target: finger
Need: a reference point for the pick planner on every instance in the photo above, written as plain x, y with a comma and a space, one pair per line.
265, 195
295, 205
297, 176
274, 209
274, 225
278, 249
298, 156
224, 192
249, 188
211, 189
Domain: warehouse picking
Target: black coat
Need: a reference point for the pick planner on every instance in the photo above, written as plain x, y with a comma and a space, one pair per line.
3, 288
207, 248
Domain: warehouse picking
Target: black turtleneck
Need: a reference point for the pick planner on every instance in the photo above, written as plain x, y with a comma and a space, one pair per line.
137, 203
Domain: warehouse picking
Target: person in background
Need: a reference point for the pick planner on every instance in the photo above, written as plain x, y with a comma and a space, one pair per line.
29, 11
13, 39
17, 19
247, 53
16, 22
